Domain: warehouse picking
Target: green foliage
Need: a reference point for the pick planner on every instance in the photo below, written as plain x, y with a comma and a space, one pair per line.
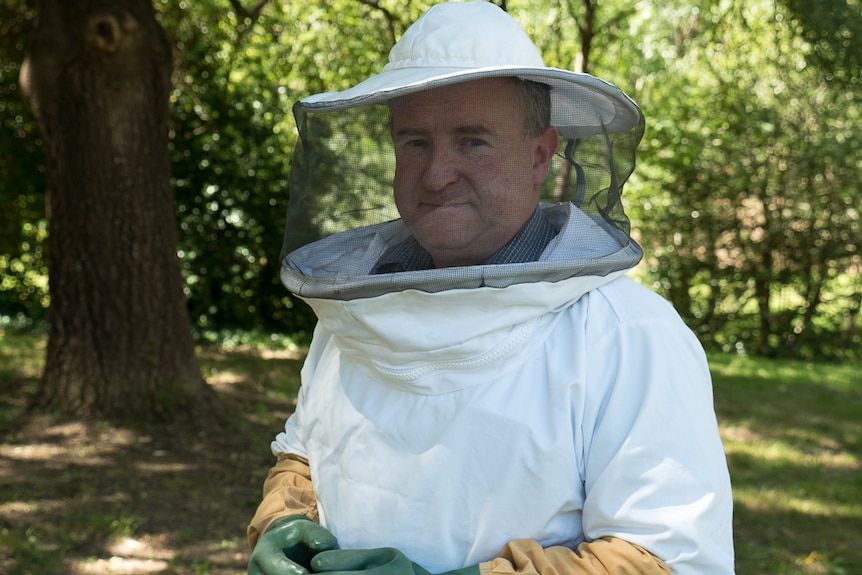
23, 271
33, 557
230, 130
833, 32
233, 134
744, 197
20, 352
746, 193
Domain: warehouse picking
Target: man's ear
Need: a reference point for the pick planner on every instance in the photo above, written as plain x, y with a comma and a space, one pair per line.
544, 148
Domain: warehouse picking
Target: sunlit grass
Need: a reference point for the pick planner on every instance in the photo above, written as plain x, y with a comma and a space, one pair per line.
793, 436
21, 355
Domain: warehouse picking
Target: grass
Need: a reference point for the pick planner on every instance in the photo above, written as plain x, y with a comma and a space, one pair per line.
793, 436
91, 498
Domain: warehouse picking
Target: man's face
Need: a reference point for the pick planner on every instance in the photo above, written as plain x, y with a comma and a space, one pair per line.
467, 173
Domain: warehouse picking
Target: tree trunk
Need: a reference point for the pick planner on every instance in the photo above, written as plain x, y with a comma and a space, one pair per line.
119, 342
763, 293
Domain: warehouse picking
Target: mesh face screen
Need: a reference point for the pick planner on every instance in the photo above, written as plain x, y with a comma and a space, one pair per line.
341, 174
344, 164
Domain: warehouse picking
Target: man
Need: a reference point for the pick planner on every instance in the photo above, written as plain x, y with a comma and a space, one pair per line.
485, 391
469, 167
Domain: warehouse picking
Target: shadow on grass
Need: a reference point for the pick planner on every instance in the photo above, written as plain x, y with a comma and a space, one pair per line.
96, 498
794, 446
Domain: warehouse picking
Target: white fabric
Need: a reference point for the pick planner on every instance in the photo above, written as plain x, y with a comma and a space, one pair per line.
456, 42
446, 424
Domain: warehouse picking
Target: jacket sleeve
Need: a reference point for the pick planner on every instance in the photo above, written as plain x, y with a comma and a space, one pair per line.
286, 491
605, 556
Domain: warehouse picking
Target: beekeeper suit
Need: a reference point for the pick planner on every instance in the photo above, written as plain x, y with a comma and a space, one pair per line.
523, 407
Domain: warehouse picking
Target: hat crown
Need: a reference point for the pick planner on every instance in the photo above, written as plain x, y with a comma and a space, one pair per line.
464, 35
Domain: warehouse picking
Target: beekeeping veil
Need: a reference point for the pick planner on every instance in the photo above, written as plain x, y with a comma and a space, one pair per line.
342, 215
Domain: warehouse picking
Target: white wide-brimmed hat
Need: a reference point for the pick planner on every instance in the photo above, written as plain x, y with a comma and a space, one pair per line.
457, 42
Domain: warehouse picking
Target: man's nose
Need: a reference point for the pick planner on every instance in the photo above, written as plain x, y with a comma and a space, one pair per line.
442, 168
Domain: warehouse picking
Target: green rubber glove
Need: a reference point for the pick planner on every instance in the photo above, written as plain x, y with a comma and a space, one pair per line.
288, 546
383, 561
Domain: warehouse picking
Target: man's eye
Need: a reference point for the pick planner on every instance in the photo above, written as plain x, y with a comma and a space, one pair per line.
416, 143
475, 142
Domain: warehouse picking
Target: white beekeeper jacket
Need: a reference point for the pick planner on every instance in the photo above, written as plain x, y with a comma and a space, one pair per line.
446, 424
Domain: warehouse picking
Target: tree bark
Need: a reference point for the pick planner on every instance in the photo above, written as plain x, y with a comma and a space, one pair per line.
119, 343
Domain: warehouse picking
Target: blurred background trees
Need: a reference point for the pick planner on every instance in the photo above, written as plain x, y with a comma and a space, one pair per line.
745, 197
747, 200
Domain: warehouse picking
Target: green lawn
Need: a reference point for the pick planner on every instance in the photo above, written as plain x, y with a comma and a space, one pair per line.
792, 433
793, 436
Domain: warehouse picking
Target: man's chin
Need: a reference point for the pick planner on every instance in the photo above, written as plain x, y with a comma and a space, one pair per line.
454, 250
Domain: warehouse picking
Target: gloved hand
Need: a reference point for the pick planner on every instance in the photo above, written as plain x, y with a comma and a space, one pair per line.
383, 561
288, 546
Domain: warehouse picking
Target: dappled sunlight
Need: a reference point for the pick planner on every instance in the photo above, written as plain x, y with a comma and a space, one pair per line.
142, 555
97, 499
783, 375
128, 557
778, 499
765, 448
244, 370
293, 354
32, 452
21, 510
94, 498
91, 498
75, 443
120, 566
223, 353
226, 377
792, 433
139, 556
156, 467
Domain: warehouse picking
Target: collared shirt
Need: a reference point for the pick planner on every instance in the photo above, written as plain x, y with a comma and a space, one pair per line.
526, 246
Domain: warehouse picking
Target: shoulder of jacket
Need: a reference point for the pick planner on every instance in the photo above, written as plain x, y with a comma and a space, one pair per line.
625, 305
629, 300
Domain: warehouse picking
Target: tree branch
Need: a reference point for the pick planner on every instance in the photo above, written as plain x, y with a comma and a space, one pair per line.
391, 19
252, 14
